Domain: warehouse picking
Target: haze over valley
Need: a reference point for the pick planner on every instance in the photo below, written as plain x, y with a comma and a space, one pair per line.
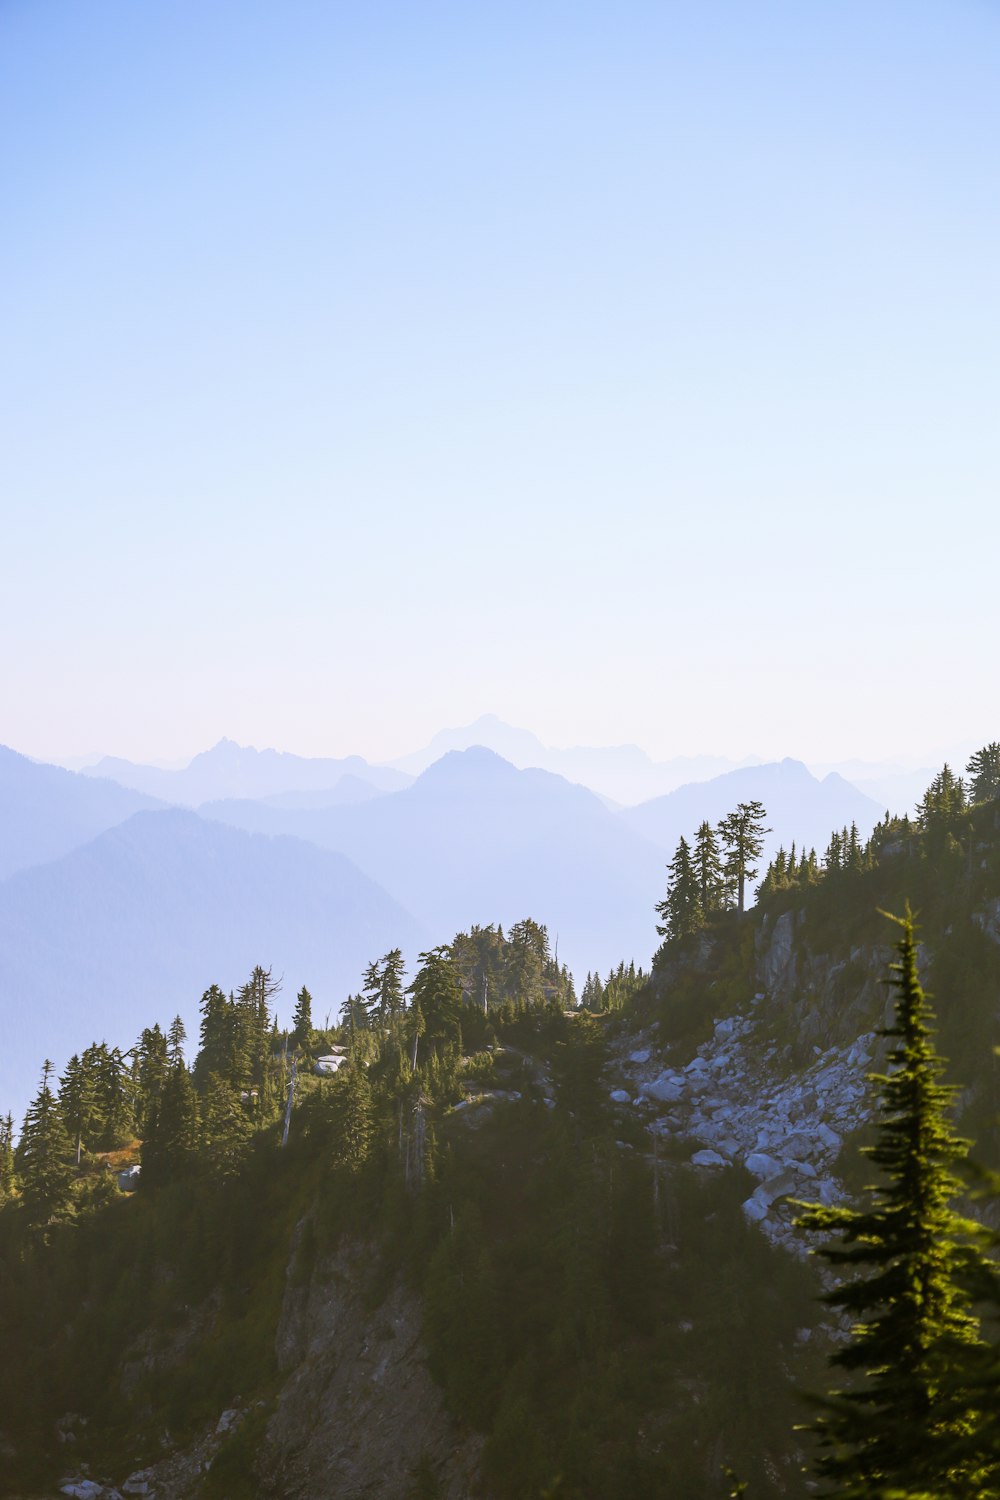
114, 900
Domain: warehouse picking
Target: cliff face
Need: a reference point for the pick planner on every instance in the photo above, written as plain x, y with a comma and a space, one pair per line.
781, 1081
357, 1414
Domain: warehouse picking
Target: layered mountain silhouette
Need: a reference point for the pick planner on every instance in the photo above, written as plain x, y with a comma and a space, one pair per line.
136, 924
799, 807
231, 770
476, 840
623, 773
45, 812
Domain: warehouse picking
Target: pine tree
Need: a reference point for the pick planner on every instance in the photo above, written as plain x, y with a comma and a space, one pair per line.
742, 833
170, 1149
680, 909
904, 1428
253, 1006
43, 1159
78, 1104
176, 1037
437, 1001
222, 1045
6, 1157
225, 1129
352, 1112
983, 772
302, 1025
708, 869
151, 1063
116, 1101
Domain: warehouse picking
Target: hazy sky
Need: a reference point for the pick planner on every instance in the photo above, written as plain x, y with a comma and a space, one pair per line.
631, 371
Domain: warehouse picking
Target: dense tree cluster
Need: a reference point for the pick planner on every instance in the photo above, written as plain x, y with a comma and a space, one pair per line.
200, 1121
615, 993
712, 876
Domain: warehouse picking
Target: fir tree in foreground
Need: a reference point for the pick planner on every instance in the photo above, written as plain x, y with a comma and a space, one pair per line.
910, 1424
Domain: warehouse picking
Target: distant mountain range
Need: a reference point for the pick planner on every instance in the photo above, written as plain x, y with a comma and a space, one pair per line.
799, 807
476, 840
45, 811
133, 927
116, 910
231, 770
623, 773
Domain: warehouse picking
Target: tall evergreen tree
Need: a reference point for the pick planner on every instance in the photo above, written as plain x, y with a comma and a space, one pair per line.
79, 1104
680, 909
116, 1100
742, 832
906, 1426
302, 1024
437, 1001
253, 1004
176, 1037
170, 1149
352, 1113
6, 1157
151, 1063
707, 860
43, 1159
983, 772
225, 1129
222, 1045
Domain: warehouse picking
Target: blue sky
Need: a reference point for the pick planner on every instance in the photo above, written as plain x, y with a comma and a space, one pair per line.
629, 371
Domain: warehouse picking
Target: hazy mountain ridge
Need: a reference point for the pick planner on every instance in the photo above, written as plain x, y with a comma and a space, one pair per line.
475, 840
46, 811
625, 773
136, 924
799, 807
231, 770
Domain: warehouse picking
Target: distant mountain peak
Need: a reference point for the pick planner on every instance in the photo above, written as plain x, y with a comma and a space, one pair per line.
477, 762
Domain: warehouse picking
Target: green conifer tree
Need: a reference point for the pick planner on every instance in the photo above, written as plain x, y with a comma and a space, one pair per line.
742, 832
302, 1025
437, 1001
708, 867
352, 1113
6, 1157
170, 1149
43, 1159
176, 1037
78, 1103
151, 1064
225, 1129
904, 1426
983, 772
680, 909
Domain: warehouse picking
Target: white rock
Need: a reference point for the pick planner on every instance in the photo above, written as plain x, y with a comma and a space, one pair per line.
755, 1209
228, 1421
697, 1065
137, 1483
619, 1096
642, 1056
708, 1159
762, 1165
667, 1089
829, 1137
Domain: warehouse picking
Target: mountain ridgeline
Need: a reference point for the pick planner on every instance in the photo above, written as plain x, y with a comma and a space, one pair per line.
473, 1233
113, 903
